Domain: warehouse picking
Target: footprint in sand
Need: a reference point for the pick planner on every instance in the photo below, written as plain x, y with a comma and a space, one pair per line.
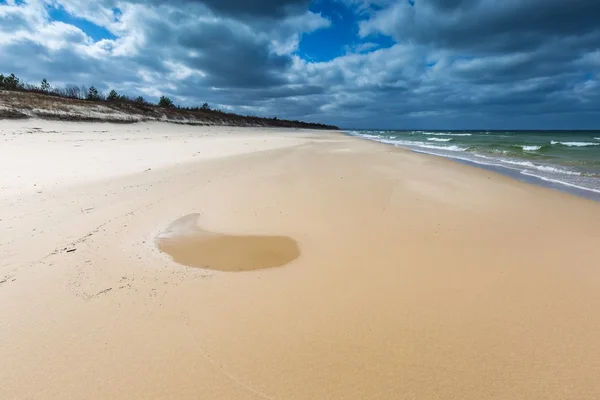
189, 245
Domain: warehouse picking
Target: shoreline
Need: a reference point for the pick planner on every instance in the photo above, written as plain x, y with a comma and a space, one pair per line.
516, 175
513, 172
535, 180
403, 273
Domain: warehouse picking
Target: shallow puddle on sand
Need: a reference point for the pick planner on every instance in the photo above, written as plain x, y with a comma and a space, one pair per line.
189, 245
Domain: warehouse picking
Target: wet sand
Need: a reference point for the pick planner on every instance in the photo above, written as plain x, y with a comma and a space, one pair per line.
407, 276
188, 244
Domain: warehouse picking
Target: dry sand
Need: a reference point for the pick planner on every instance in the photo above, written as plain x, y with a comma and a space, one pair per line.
412, 277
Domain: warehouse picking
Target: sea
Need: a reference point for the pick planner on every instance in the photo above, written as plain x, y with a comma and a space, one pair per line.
564, 160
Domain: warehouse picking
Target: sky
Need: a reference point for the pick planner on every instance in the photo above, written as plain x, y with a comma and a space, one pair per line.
381, 64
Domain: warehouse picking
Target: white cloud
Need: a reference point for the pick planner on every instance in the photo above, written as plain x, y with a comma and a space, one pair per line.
248, 62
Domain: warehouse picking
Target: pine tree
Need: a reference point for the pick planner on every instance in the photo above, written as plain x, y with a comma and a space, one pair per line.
45, 86
165, 102
12, 82
113, 96
93, 94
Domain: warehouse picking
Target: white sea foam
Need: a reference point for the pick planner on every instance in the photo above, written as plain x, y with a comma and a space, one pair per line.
576, 144
496, 151
545, 168
544, 178
486, 157
548, 168
531, 148
458, 157
597, 138
421, 145
519, 163
543, 172
433, 139
446, 134
447, 148
370, 136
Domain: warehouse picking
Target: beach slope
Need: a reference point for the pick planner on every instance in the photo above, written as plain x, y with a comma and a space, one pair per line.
373, 272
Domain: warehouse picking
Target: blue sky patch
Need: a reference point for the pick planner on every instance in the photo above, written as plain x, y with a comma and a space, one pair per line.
327, 44
92, 30
341, 37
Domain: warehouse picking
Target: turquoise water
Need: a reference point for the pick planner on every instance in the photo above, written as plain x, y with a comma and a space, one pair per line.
561, 159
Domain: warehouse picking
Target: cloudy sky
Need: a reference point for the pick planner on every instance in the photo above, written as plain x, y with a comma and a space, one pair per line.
414, 64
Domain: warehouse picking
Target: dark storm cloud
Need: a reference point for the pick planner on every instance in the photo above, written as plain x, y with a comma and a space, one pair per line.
242, 9
512, 58
449, 4
489, 25
233, 58
258, 8
455, 63
228, 53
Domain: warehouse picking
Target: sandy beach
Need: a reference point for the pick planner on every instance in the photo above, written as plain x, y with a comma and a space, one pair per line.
334, 268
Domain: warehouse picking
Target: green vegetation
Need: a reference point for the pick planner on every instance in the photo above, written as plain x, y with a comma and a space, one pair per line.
45, 86
165, 102
70, 91
93, 94
139, 104
113, 96
10, 82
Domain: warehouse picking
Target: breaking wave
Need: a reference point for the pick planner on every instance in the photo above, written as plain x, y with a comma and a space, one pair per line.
447, 134
575, 144
432, 139
530, 148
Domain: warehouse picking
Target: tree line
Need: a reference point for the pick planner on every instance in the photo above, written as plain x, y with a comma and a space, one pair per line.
92, 94
70, 91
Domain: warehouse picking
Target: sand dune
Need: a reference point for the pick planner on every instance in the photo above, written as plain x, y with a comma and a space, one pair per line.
402, 276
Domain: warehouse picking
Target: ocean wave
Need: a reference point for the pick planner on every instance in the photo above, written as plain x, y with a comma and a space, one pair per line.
548, 168
489, 151
544, 172
433, 139
422, 145
576, 144
458, 156
446, 134
491, 161
353, 133
368, 136
486, 157
544, 168
519, 163
597, 138
529, 147
545, 178
447, 148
